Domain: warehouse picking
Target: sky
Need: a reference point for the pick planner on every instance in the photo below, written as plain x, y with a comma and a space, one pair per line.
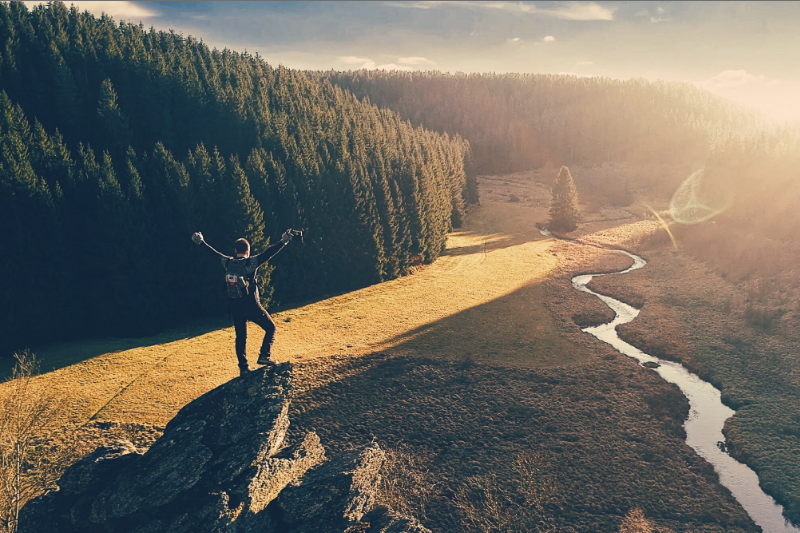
748, 52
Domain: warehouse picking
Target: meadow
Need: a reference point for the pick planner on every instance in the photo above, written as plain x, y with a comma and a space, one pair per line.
473, 366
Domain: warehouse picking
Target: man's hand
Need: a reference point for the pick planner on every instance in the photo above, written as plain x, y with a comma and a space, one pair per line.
197, 237
287, 236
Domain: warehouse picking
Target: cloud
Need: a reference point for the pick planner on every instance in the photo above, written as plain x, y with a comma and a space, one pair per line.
118, 10
549, 39
369, 64
659, 16
730, 79
584, 63
393, 66
567, 11
513, 40
413, 5
414, 60
574, 11
353, 60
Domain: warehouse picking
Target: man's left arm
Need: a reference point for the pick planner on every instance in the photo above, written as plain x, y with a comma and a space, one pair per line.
270, 252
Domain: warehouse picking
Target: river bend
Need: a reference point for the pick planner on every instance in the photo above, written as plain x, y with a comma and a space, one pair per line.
707, 413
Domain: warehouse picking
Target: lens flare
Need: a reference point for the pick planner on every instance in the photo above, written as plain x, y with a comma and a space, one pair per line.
697, 200
664, 225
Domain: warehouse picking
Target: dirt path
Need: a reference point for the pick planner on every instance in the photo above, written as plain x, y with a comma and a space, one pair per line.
487, 280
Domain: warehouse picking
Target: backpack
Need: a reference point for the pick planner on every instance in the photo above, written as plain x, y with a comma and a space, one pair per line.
236, 278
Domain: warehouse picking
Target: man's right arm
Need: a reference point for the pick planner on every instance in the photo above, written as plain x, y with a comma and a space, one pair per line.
198, 239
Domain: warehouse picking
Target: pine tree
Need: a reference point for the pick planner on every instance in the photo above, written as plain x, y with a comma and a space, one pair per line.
113, 122
564, 205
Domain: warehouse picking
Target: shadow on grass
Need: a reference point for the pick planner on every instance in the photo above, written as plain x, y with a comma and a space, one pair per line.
469, 421
475, 391
515, 328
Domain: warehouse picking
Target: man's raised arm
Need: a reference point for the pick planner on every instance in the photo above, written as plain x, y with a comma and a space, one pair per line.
197, 238
270, 252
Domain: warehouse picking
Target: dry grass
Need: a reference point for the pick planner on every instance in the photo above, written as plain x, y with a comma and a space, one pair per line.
606, 438
472, 362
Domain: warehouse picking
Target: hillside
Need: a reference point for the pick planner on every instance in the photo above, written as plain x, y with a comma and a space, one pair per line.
417, 315
518, 122
131, 140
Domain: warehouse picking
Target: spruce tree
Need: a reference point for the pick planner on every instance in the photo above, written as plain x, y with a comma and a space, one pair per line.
113, 124
564, 205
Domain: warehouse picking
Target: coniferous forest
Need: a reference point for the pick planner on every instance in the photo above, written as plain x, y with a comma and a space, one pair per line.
116, 143
516, 122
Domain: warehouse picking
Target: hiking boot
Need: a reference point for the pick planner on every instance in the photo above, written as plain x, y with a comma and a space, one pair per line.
244, 370
264, 359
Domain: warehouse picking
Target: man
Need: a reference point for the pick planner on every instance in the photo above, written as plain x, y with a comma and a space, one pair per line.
241, 281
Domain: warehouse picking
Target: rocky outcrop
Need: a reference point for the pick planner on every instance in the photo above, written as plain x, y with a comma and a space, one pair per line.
221, 466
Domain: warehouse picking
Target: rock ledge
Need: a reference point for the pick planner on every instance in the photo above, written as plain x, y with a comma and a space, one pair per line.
222, 466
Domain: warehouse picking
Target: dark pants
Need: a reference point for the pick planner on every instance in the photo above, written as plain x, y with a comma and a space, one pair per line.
252, 312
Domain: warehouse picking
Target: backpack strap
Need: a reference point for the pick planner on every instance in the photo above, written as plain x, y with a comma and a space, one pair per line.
251, 266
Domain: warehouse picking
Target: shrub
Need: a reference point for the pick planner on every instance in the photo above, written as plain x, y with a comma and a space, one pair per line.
406, 484
761, 317
33, 452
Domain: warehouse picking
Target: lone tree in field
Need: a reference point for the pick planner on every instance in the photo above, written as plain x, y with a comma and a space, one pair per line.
564, 205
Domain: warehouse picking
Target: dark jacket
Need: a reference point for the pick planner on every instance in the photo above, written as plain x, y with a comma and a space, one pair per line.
251, 269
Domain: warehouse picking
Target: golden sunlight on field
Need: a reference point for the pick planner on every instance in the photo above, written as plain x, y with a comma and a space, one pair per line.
476, 270
481, 299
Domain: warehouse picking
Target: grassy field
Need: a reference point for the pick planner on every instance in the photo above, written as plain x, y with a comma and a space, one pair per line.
474, 365
148, 380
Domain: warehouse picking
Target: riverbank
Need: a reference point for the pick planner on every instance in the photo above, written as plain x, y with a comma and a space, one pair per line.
712, 317
708, 414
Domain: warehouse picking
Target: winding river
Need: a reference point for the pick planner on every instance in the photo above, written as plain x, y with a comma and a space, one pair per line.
706, 418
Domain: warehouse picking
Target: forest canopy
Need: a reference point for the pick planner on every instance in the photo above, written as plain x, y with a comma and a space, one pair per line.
116, 143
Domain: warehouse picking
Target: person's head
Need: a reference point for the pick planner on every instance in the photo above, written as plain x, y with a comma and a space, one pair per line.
242, 248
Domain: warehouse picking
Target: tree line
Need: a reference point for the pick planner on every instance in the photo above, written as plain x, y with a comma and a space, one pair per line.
116, 143
516, 122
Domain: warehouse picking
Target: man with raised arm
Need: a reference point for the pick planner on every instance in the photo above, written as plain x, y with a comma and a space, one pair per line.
242, 286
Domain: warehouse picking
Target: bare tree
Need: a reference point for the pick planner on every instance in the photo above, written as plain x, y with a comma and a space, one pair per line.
636, 522
30, 452
514, 504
